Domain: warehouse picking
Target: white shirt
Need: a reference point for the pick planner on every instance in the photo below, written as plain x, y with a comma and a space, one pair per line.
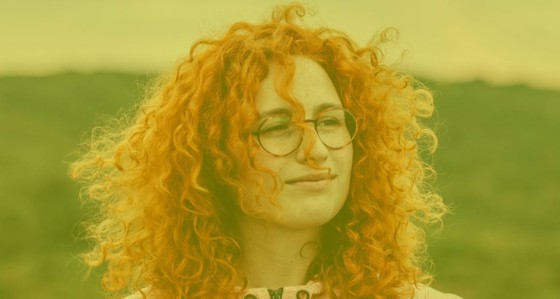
311, 290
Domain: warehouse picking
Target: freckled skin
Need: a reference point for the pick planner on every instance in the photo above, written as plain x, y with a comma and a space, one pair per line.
300, 207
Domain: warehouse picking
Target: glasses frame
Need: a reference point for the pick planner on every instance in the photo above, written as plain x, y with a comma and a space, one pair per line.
314, 122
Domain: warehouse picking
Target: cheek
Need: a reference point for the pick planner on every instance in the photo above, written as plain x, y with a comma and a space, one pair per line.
266, 172
345, 160
268, 166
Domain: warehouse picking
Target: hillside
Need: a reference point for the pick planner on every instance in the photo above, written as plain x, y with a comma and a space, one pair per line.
498, 165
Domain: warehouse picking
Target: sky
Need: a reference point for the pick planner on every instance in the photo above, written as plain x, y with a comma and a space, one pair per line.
503, 42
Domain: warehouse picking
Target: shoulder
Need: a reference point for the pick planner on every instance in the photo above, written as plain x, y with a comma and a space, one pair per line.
147, 292
425, 292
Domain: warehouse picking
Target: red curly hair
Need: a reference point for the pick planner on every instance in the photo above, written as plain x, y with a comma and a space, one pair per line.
167, 179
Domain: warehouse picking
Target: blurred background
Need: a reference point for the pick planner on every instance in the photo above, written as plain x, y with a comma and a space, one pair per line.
493, 67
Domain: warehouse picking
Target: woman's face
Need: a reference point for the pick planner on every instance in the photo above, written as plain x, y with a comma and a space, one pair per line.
314, 183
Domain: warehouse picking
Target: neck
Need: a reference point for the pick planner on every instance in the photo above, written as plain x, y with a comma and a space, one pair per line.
276, 256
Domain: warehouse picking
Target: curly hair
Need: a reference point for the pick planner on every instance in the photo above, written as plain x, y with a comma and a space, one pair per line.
166, 178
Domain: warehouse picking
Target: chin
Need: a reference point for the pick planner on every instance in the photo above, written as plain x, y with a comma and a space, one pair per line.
307, 218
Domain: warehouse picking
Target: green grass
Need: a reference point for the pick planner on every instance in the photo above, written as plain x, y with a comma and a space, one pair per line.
498, 164
43, 120
499, 167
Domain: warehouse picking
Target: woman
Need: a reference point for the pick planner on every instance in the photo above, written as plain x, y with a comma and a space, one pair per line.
277, 162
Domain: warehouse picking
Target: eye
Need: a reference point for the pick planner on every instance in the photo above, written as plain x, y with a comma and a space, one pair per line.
329, 121
277, 126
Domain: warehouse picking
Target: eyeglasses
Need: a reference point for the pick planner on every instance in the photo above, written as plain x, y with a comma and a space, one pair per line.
280, 135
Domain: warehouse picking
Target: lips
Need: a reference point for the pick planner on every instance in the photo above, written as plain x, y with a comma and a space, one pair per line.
313, 177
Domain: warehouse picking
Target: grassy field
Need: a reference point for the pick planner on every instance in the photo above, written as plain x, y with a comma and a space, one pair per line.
498, 164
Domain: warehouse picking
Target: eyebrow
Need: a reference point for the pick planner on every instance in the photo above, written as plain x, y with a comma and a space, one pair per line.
288, 111
276, 111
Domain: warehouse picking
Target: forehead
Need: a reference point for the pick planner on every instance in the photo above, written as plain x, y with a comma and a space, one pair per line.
311, 87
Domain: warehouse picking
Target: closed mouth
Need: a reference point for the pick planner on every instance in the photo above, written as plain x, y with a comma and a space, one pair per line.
314, 177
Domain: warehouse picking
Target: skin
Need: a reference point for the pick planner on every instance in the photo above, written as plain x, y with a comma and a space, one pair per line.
272, 241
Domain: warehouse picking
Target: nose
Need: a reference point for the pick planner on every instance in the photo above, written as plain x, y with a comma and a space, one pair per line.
311, 148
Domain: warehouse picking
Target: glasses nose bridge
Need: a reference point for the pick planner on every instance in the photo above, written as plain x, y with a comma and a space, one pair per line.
312, 121
313, 126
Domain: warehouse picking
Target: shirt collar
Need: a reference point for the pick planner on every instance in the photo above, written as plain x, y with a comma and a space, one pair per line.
292, 292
